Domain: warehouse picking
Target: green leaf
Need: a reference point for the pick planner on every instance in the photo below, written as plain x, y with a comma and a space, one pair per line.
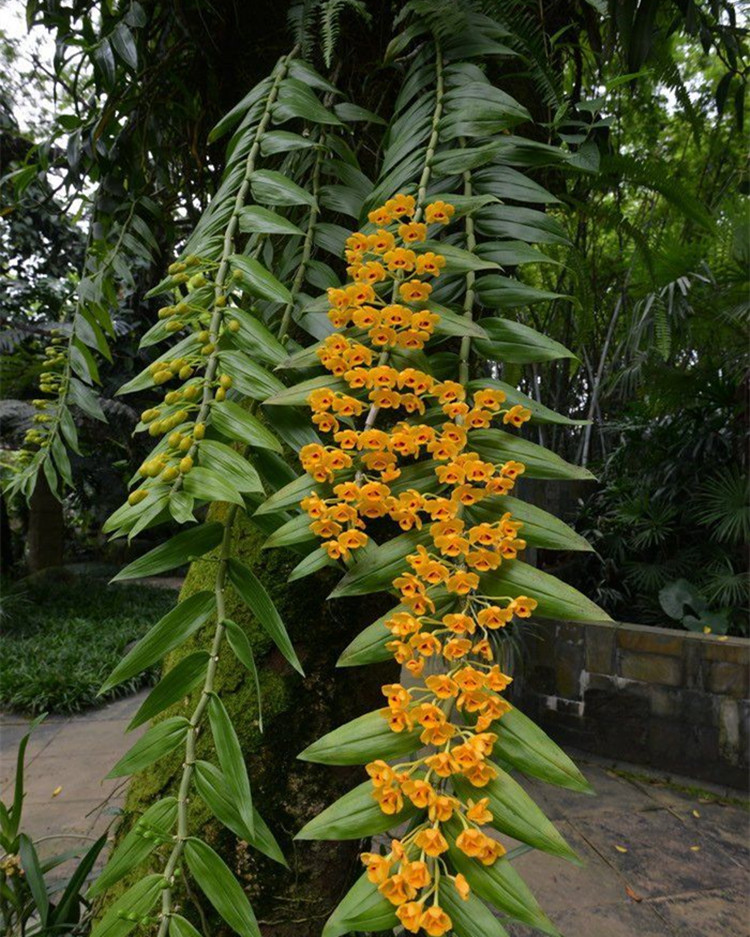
297, 100
126, 913
206, 485
232, 421
557, 600
353, 113
177, 551
124, 44
458, 260
452, 324
516, 814
498, 446
254, 338
179, 927
282, 141
289, 496
34, 877
317, 559
296, 530
248, 377
298, 394
214, 790
176, 684
540, 529
221, 888
356, 815
359, 741
539, 413
470, 916
255, 218
515, 343
253, 277
153, 828
520, 224
231, 760
68, 909
362, 909
157, 741
230, 464
167, 634
254, 595
530, 750
382, 564
498, 292
243, 651
274, 188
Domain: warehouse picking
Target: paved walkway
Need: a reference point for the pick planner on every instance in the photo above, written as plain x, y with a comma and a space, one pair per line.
658, 861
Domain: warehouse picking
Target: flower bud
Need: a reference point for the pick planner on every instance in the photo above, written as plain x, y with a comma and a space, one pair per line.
174, 439
161, 377
220, 394
169, 474
234, 326
199, 430
225, 381
185, 373
135, 497
186, 465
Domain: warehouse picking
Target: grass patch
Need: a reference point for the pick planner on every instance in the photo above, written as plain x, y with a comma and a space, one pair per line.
62, 638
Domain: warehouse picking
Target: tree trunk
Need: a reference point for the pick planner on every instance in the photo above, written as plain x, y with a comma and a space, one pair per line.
296, 711
45, 533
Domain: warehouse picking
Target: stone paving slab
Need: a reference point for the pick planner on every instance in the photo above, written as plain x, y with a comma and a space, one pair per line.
661, 886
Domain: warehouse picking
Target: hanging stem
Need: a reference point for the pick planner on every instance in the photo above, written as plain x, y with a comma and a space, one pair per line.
171, 867
424, 181
471, 243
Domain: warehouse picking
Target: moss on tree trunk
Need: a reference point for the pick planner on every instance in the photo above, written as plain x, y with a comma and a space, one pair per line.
296, 711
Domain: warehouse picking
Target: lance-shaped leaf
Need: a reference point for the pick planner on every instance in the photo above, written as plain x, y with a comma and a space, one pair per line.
32, 872
499, 884
274, 188
177, 551
167, 634
232, 421
496, 445
314, 561
452, 324
516, 814
254, 338
248, 377
231, 760
359, 741
458, 260
243, 651
298, 394
529, 749
157, 741
256, 219
282, 141
369, 647
289, 496
148, 832
556, 599
383, 563
212, 787
354, 816
253, 276
539, 413
126, 913
222, 889
297, 100
179, 927
362, 909
226, 461
540, 528
515, 343
469, 916
174, 686
254, 595
498, 292
296, 530
207, 485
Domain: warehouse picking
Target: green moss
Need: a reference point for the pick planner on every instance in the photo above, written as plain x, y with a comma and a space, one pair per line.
296, 711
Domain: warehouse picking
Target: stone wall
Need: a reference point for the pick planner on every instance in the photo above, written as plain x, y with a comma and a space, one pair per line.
670, 699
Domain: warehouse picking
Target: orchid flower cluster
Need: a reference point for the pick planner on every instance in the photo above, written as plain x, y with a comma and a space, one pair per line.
454, 697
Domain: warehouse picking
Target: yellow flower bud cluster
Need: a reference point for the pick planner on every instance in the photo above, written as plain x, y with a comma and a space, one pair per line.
52, 380
179, 416
359, 479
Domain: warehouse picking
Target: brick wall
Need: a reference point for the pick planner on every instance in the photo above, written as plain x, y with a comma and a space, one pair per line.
670, 699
